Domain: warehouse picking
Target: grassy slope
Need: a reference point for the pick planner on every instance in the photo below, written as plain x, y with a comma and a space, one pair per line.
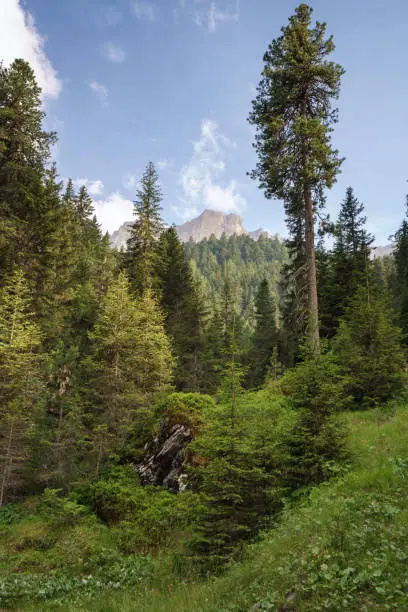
346, 549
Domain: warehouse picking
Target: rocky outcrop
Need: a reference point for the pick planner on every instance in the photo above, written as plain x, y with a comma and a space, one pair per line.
165, 457
210, 222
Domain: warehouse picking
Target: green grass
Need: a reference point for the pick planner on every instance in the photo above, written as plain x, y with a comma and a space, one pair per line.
344, 549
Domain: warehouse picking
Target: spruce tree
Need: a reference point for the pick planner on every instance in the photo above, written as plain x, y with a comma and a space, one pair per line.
20, 382
25, 222
265, 338
350, 265
130, 362
293, 116
401, 275
141, 255
368, 347
181, 302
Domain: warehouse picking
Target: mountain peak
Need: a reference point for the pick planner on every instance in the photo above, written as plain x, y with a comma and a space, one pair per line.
208, 223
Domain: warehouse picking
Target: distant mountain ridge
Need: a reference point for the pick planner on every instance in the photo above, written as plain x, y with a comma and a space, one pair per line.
210, 222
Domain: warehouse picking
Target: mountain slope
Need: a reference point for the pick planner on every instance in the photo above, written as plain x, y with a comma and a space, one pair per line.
210, 222
343, 549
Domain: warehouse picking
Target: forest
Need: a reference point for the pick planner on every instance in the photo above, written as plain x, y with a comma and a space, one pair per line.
175, 419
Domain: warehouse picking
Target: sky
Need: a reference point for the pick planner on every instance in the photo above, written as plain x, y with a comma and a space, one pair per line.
171, 81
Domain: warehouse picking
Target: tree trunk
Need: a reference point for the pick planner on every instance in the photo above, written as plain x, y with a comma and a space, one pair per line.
313, 323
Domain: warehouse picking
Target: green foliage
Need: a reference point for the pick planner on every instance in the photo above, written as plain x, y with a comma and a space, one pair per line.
317, 389
144, 518
184, 319
20, 381
141, 254
368, 346
191, 409
265, 339
241, 259
293, 117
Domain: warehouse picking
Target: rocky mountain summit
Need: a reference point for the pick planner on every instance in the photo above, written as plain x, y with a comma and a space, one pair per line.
210, 222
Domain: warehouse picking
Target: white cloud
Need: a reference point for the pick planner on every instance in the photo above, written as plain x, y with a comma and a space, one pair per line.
114, 53
217, 17
19, 38
144, 10
101, 92
94, 188
210, 14
200, 178
112, 211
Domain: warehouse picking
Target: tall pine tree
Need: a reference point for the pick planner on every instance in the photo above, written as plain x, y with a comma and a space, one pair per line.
293, 116
141, 255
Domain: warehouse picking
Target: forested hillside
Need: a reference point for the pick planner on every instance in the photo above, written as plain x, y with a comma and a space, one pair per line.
164, 408
245, 262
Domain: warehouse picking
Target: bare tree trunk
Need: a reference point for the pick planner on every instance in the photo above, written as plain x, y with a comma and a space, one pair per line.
313, 323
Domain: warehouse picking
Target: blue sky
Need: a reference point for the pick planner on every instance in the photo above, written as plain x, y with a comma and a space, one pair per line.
128, 81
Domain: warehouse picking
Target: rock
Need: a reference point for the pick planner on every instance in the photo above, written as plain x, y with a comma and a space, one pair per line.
165, 458
210, 222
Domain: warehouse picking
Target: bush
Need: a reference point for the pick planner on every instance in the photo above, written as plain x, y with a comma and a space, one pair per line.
186, 409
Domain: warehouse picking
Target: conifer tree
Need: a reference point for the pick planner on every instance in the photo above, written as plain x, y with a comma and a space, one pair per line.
265, 337
130, 362
20, 381
368, 347
25, 224
181, 302
401, 275
293, 116
349, 265
141, 255
234, 480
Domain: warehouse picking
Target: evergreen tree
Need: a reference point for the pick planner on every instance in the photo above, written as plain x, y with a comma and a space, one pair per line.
131, 361
401, 275
141, 253
293, 116
265, 338
26, 226
233, 485
349, 265
368, 347
184, 312
20, 382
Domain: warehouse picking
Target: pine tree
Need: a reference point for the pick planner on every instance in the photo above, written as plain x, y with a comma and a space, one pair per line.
25, 224
293, 117
141, 253
401, 274
181, 302
20, 381
349, 265
233, 484
131, 361
265, 338
368, 347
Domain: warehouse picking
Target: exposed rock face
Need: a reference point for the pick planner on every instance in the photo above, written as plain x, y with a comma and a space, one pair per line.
208, 223
211, 222
165, 457
119, 238
382, 251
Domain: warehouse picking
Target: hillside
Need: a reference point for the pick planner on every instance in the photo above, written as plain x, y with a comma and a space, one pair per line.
344, 549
